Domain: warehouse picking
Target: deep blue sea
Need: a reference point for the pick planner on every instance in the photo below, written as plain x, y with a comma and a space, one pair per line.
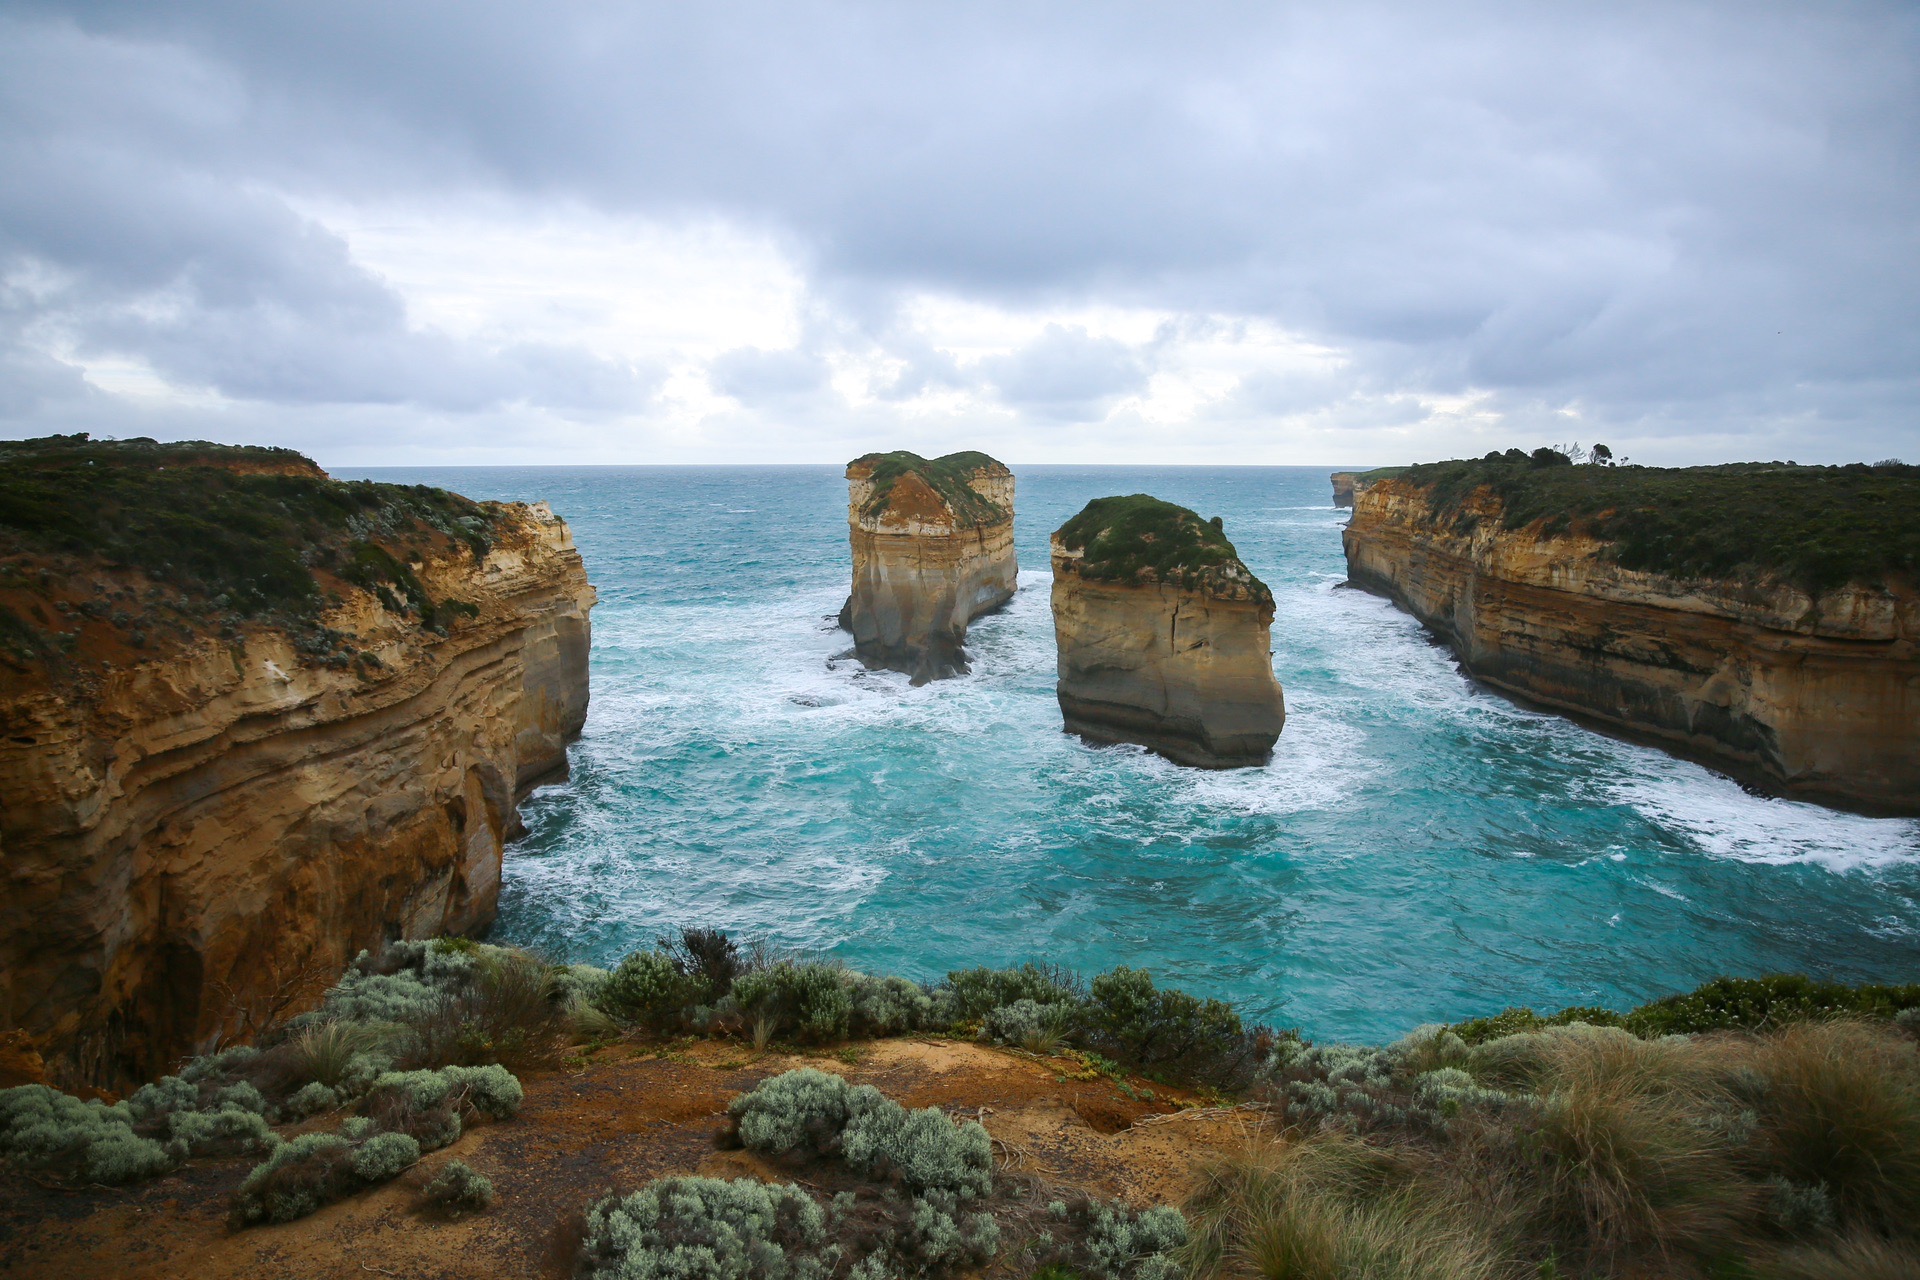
1419, 849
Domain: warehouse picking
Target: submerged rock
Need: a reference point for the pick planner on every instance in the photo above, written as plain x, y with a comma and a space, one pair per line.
1163, 635
932, 550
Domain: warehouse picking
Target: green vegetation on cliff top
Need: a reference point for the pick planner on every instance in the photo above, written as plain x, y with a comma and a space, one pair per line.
242, 527
946, 475
1816, 527
1125, 537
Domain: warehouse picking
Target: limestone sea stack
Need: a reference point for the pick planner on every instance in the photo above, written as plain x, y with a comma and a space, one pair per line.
1343, 488
252, 720
1164, 635
1760, 618
932, 543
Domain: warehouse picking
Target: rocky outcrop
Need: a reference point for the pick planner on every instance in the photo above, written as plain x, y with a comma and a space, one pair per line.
1163, 635
199, 826
932, 545
1343, 488
1814, 696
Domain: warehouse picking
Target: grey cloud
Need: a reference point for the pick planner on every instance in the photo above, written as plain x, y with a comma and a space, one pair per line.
1067, 373
753, 376
1683, 217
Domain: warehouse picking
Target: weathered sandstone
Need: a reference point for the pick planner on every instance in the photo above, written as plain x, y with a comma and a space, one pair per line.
199, 826
1163, 636
1343, 488
932, 550
1817, 696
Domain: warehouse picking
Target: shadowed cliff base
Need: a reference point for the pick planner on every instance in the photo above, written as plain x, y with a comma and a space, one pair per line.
1163, 635
932, 549
1794, 669
251, 720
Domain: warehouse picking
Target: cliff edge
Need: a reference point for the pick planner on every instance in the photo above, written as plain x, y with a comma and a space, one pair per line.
1163, 635
252, 720
1761, 618
932, 544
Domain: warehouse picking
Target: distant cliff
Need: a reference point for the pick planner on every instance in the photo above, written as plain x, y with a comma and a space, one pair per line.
252, 720
1163, 635
1343, 488
932, 544
1763, 620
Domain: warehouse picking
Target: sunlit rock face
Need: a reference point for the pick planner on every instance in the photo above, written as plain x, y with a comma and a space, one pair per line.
1163, 636
196, 834
932, 544
1816, 698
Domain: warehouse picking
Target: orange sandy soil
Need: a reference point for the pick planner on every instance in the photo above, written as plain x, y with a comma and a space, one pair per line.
629, 1115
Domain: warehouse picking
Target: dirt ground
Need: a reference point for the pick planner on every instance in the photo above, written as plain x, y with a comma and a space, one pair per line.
628, 1115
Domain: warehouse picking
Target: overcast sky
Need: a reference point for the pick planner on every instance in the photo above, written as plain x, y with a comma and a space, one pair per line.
398, 232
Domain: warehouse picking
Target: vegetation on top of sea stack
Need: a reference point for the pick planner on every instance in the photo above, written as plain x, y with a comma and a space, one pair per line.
1815, 527
246, 529
949, 477
1140, 538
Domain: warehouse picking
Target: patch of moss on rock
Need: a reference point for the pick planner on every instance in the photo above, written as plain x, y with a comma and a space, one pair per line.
947, 476
1140, 538
1817, 528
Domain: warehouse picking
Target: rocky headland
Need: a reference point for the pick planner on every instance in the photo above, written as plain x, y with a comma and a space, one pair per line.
1343, 487
1163, 635
1760, 618
253, 720
932, 543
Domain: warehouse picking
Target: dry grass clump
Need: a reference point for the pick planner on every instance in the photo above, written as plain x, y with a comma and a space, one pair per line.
1585, 1151
513, 1011
1841, 1110
1332, 1206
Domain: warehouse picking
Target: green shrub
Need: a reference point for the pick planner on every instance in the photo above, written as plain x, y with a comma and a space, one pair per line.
975, 993
43, 1128
708, 1229
431, 1106
922, 1149
648, 989
1758, 1004
1037, 1028
305, 1174
809, 1002
384, 1156
812, 1112
798, 1110
1123, 1245
1149, 1027
888, 1006
457, 1190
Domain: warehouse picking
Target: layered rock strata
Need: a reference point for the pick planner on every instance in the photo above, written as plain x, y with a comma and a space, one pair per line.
200, 825
1163, 636
1814, 696
932, 544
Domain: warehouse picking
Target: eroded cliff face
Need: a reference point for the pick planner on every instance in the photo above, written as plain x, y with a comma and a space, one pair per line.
196, 835
1818, 698
1343, 488
1183, 670
926, 562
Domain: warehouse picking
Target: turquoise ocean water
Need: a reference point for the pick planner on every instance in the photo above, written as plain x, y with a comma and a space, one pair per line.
1417, 850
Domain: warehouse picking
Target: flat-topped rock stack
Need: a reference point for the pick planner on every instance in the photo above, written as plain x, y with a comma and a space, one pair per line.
1343, 488
932, 544
1164, 635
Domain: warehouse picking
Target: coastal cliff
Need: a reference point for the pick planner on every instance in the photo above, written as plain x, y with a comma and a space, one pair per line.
1343, 488
1757, 619
1163, 635
932, 544
251, 721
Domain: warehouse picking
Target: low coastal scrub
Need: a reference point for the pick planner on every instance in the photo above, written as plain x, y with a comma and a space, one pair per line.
948, 476
458, 1190
1139, 537
886, 1194
221, 532
1817, 527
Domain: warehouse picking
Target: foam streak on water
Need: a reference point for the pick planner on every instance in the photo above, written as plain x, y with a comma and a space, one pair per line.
1418, 848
